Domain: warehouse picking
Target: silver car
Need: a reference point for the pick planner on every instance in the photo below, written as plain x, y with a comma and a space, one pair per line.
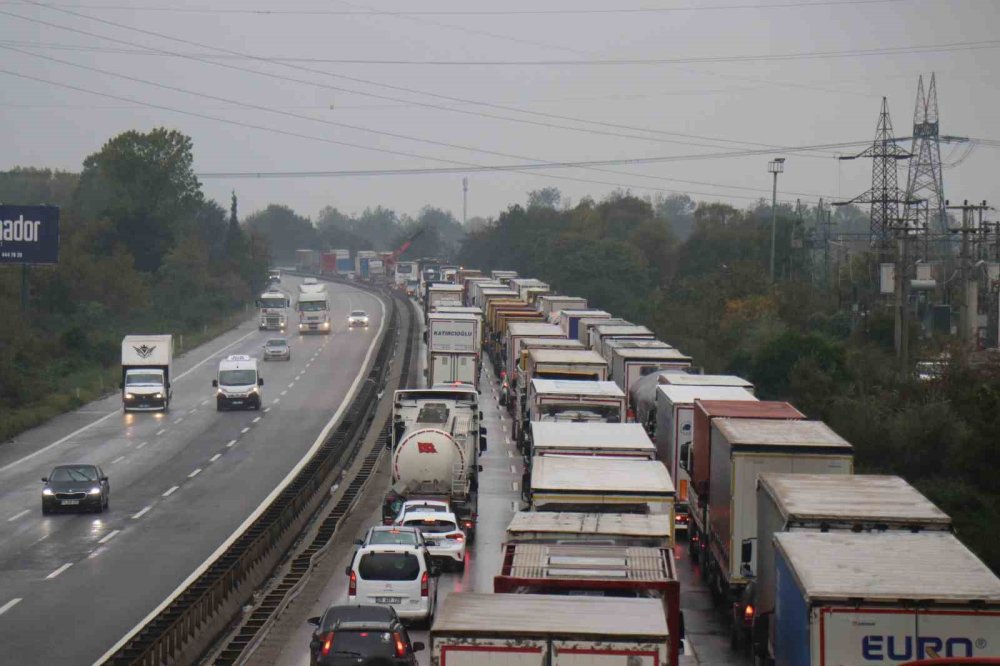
277, 349
357, 318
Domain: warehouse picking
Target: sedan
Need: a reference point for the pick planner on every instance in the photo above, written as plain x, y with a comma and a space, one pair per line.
357, 318
277, 349
76, 487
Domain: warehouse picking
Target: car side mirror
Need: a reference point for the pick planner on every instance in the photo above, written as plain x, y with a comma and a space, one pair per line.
347, 570
45, 479
104, 478
167, 385
482, 430
314, 621
419, 647
359, 542
746, 552
482, 444
121, 385
215, 383
480, 415
260, 381
480, 468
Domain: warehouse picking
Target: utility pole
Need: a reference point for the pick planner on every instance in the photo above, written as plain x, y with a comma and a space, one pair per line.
969, 286
465, 200
775, 166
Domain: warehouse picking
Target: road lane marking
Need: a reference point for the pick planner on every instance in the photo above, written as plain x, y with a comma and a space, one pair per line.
231, 444
510, 454
118, 460
97, 551
194, 473
10, 604
109, 536
278, 489
204, 402
142, 445
244, 431
160, 432
291, 385
178, 420
514, 485
298, 376
171, 491
116, 412
513, 470
284, 392
215, 457
193, 410
17, 515
59, 570
276, 401
507, 439
267, 409
255, 420
141, 513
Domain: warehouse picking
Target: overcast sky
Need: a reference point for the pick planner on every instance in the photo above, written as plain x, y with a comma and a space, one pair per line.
288, 91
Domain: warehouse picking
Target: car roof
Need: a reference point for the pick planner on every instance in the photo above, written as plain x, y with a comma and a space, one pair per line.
358, 312
277, 339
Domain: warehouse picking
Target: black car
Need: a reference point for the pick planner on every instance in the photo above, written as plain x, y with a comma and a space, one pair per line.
76, 487
359, 634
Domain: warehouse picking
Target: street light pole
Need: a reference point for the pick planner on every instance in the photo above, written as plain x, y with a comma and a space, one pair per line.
775, 166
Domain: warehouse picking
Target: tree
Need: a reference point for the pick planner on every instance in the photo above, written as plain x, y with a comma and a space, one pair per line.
547, 197
235, 243
678, 211
283, 230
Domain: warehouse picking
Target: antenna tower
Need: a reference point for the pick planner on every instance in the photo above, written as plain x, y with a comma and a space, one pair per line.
924, 180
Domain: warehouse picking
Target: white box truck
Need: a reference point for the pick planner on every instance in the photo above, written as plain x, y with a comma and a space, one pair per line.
617, 529
630, 364
454, 348
147, 362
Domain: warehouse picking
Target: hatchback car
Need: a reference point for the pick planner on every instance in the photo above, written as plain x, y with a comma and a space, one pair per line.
398, 576
76, 487
277, 349
357, 318
422, 506
360, 634
445, 539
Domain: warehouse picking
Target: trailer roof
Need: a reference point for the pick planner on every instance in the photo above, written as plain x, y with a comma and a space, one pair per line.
446, 286
770, 432
605, 389
438, 315
611, 436
459, 309
685, 379
889, 566
623, 329
848, 497
566, 561
534, 328
582, 356
528, 282
558, 297
556, 343
637, 343
584, 312
555, 615
600, 524
600, 475
648, 354
686, 395
761, 409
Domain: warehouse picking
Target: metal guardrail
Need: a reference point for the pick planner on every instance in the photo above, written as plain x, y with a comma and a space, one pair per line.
188, 625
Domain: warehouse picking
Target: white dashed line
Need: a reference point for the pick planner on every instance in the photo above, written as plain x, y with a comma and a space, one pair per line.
17, 515
215, 457
194, 473
118, 460
171, 491
193, 410
267, 409
59, 570
510, 454
291, 385
513, 470
245, 431
204, 402
231, 444
514, 485
298, 376
507, 439
255, 420
97, 551
142, 513
284, 392
10, 604
160, 432
309, 363
142, 445
178, 420
276, 401
109, 536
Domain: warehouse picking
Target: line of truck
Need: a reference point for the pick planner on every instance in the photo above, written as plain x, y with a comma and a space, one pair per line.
628, 448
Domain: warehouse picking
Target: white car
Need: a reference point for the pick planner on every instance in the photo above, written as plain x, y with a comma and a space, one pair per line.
444, 538
421, 505
357, 318
394, 575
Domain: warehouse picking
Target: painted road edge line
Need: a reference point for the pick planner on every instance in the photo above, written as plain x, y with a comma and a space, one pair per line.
59, 571
10, 604
140, 514
263, 505
17, 515
171, 491
109, 536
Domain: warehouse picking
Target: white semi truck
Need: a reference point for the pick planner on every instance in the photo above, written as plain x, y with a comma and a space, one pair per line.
146, 370
272, 310
436, 442
314, 308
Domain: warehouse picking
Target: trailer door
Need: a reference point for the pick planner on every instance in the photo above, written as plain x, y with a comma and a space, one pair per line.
454, 651
593, 653
442, 369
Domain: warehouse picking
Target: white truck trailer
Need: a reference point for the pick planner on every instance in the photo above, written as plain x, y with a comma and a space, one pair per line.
630, 364
475, 629
454, 348
643, 392
551, 305
624, 330
436, 442
569, 320
889, 598
147, 363
605, 440
618, 529
574, 401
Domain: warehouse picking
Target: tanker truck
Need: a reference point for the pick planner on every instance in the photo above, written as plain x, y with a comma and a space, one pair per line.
436, 442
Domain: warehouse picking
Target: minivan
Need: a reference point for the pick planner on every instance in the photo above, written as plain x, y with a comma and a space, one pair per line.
396, 576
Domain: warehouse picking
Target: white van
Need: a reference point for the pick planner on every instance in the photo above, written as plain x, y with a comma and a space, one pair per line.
397, 576
239, 383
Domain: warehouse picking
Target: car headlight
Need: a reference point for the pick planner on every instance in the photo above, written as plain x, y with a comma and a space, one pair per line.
96, 490
158, 395
130, 396
47, 491
255, 390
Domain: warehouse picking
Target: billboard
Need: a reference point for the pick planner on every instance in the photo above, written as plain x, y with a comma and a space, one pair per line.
29, 235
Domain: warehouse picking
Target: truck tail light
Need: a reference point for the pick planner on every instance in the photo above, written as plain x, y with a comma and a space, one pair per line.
352, 587
399, 644
327, 640
748, 614
424, 584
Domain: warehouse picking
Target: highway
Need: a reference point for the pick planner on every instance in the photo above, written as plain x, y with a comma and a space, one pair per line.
182, 483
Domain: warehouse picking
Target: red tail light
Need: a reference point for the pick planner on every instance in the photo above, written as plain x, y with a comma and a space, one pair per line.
425, 584
630, 415
468, 524
748, 613
455, 537
352, 587
327, 643
400, 645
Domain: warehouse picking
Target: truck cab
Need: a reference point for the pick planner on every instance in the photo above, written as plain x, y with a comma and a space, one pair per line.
271, 310
239, 383
314, 311
146, 367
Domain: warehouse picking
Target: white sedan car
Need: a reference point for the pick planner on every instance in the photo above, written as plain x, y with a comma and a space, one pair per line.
444, 538
357, 318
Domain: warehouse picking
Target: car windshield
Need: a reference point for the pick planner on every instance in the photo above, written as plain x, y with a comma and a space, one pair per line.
359, 313
363, 644
237, 377
272, 302
393, 537
82, 473
432, 525
389, 566
312, 306
144, 379
277, 343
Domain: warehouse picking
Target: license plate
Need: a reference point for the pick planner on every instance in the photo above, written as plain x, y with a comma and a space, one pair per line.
388, 600
237, 402
70, 502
